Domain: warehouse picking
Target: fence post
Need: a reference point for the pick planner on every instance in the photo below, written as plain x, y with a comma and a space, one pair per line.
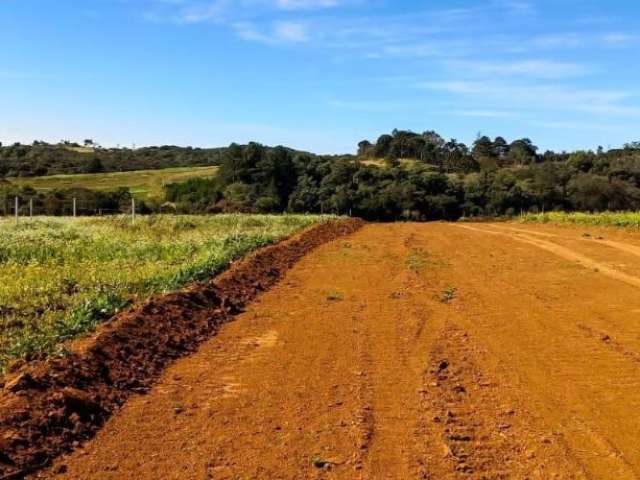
74, 207
31, 208
133, 211
17, 204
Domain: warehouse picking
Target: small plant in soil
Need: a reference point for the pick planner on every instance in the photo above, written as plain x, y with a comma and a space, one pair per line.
334, 296
448, 295
416, 260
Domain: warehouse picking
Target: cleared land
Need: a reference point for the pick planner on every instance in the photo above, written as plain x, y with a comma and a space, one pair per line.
61, 277
438, 351
141, 183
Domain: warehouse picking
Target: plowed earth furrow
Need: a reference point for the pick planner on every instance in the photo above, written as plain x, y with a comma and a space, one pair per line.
407, 351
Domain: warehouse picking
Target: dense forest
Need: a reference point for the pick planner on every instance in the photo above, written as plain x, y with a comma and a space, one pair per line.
403, 175
406, 175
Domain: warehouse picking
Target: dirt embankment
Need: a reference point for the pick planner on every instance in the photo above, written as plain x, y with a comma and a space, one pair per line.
47, 408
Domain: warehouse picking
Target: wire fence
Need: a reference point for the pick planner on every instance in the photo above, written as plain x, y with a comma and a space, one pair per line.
21, 208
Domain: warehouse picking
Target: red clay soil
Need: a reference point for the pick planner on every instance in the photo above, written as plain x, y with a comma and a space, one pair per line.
48, 408
406, 351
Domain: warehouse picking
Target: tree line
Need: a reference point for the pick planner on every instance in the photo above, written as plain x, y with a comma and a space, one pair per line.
405, 175
402, 176
42, 159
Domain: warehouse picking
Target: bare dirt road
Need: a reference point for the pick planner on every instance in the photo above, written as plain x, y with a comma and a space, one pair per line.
437, 351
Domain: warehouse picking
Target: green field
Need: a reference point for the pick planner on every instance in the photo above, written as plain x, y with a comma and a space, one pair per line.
61, 277
613, 219
143, 184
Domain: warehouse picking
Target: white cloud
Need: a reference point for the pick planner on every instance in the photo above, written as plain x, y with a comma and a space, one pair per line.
546, 69
306, 4
564, 125
277, 32
199, 12
620, 39
536, 97
376, 105
249, 31
484, 113
515, 6
559, 40
290, 32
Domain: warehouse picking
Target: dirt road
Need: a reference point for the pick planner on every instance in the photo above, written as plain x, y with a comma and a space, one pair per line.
437, 351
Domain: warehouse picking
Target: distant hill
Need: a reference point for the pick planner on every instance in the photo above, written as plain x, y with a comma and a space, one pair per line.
41, 159
144, 184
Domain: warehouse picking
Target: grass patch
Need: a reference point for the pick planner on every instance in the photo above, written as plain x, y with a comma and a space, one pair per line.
63, 277
144, 184
416, 260
607, 219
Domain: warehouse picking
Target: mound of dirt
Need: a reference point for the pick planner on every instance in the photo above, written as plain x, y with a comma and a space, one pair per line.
48, 408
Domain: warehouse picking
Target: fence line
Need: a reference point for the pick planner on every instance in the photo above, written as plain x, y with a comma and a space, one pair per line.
13, 207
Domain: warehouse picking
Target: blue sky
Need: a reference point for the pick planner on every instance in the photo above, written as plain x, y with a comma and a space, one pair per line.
319, 74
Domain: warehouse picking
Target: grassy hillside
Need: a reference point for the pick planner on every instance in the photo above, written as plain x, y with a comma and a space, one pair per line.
141, 183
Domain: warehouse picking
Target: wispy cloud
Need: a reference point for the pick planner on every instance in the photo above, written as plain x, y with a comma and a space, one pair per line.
274, 33
620, 39
484, 113
536, 68
541, 96
290, 31
474, 54
578, 126
375, 105
515, 6
306, 4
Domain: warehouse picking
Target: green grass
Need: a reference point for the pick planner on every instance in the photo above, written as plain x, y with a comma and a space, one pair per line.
142, 183
614, 219
62, 277
416, 260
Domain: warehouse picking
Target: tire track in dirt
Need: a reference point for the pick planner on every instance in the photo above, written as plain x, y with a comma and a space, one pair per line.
567, 254
403, 352
484, 434
585, 388
622, 246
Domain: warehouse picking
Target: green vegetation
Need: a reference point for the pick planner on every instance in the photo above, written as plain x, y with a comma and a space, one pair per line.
448, 295
411, 176
65, 158
144, 184
416, 260
616, 219
403, 176
62, 277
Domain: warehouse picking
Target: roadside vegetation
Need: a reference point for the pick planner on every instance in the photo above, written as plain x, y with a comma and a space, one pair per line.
614, 219
62, 277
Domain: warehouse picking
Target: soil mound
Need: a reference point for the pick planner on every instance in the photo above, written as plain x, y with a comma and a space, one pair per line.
50, 407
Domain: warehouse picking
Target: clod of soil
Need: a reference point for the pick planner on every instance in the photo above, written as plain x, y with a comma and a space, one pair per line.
47, 408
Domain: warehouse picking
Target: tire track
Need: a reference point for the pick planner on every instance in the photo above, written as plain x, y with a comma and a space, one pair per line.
567, 254
484, 434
